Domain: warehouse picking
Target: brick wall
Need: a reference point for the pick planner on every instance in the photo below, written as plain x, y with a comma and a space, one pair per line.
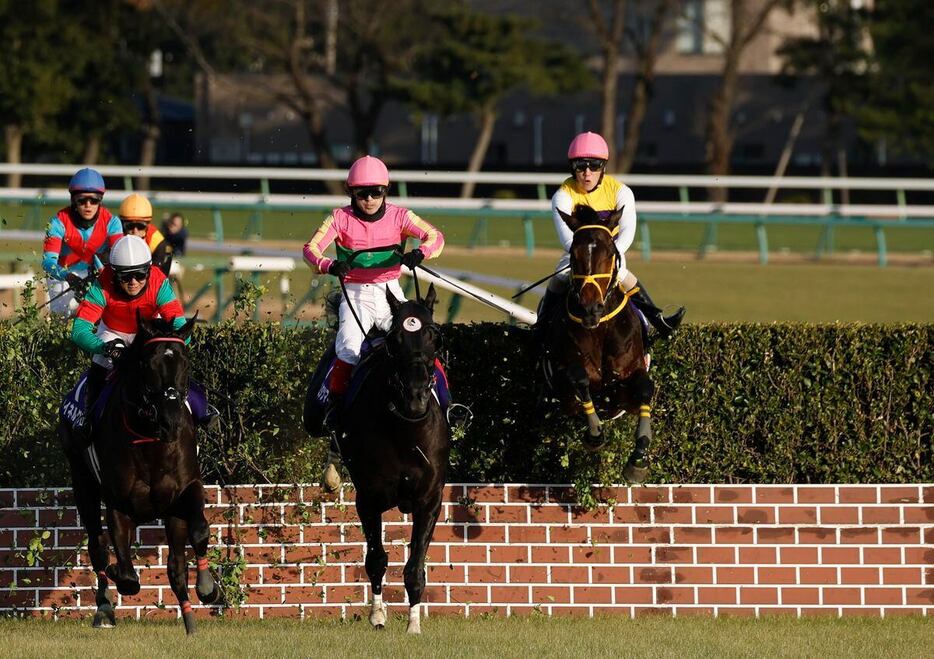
512, 549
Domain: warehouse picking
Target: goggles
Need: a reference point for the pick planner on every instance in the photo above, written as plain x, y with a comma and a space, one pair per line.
126, 276
130, 225
369, 192
593, 164
81, 201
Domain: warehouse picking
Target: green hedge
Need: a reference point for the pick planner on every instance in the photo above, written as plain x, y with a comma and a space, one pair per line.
736, 403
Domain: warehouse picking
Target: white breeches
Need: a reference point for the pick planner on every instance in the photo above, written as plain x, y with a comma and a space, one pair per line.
66, 304
106, 334
369, 301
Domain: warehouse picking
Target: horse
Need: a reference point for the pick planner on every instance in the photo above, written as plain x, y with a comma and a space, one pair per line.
595, 351
142, 463
395, 443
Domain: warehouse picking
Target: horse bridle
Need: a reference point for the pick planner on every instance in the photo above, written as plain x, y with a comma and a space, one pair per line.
148, 410
593, 278
416, 357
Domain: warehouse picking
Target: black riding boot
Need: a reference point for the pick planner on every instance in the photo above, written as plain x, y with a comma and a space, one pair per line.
664, 326
97, 377
546, 309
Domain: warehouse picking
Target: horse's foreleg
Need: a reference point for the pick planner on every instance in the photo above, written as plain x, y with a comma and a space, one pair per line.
636, 468
423, 525
176, 533
87, 495
376, 561
123, 574
190, 507
581, 383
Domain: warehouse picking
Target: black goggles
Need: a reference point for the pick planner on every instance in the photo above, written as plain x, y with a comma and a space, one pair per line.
369, 192
593, 164
81, 201
135, 226
125, 276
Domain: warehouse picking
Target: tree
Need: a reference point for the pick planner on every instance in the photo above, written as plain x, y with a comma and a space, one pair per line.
837, 59
645, 45
34, 86
747, 19
608, 27
475, 60
900, 107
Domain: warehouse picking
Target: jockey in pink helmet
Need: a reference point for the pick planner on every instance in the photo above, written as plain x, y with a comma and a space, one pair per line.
368, 221
590, 185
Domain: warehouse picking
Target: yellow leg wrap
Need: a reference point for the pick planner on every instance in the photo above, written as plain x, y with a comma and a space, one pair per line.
589, 408
645, 411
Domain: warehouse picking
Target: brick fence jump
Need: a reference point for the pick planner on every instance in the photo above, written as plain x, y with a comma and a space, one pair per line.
754, 550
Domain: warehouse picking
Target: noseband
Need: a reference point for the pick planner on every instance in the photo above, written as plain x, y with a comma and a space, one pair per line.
594, 278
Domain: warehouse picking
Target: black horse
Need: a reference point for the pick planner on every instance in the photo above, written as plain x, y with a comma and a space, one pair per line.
143, 464
395, 443
595, 352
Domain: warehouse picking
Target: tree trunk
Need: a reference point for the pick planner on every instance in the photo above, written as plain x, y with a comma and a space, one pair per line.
151, 131
611, 42
487, 123
719, 137
642, 90
92, 149
13, 137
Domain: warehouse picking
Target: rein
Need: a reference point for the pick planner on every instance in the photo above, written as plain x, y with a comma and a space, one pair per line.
594, 280
605, 317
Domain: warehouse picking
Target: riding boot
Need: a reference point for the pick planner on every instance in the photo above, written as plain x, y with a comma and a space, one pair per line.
338, 382
546, 309
97, 377
664, 326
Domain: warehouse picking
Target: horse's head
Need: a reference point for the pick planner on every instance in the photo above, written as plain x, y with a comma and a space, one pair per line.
412, 343
158, 365
594, 260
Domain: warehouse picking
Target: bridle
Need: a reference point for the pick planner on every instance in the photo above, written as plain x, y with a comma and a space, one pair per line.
418, 357
593, 278
148, 409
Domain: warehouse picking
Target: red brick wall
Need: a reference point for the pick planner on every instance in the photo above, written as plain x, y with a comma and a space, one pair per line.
512, 549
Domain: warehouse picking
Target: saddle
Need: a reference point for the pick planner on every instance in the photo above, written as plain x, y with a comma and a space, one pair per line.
370, 352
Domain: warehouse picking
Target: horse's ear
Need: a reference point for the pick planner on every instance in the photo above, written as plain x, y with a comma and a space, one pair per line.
613, 218
570, 220
143, 324
430, 298
185, 330
394, 304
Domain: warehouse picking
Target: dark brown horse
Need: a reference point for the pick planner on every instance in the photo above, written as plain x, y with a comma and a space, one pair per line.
595, 352
395, 443
145, 467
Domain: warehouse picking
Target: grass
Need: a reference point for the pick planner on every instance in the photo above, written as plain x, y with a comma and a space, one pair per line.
476, 637
712, 291
509, 231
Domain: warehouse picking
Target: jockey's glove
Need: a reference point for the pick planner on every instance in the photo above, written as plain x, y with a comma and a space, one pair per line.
114, 348
339, 269
79, 285
411, 259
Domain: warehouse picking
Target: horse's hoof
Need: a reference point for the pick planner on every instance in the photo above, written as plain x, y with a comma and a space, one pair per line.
211, 597
124, 586
635, 474
593, 442
331, 479
379, 627
190, 627
104, 618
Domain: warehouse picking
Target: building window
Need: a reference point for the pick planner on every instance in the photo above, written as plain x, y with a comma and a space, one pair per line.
703, 27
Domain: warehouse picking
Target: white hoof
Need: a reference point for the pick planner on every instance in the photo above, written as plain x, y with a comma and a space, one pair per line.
378, 616
414, 628
331, 478
415, 623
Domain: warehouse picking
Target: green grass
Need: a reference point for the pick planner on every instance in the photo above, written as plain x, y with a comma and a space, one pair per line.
503, 231
712, 291
457, 637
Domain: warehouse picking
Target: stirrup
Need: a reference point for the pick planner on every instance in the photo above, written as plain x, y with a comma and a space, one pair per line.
459, 416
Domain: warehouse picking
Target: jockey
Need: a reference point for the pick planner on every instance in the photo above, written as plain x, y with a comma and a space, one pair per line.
589, 185
368, 221
127, 286
136, 215
74, 239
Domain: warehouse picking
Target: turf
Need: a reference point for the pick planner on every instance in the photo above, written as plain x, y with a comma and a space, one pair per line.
478, 637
